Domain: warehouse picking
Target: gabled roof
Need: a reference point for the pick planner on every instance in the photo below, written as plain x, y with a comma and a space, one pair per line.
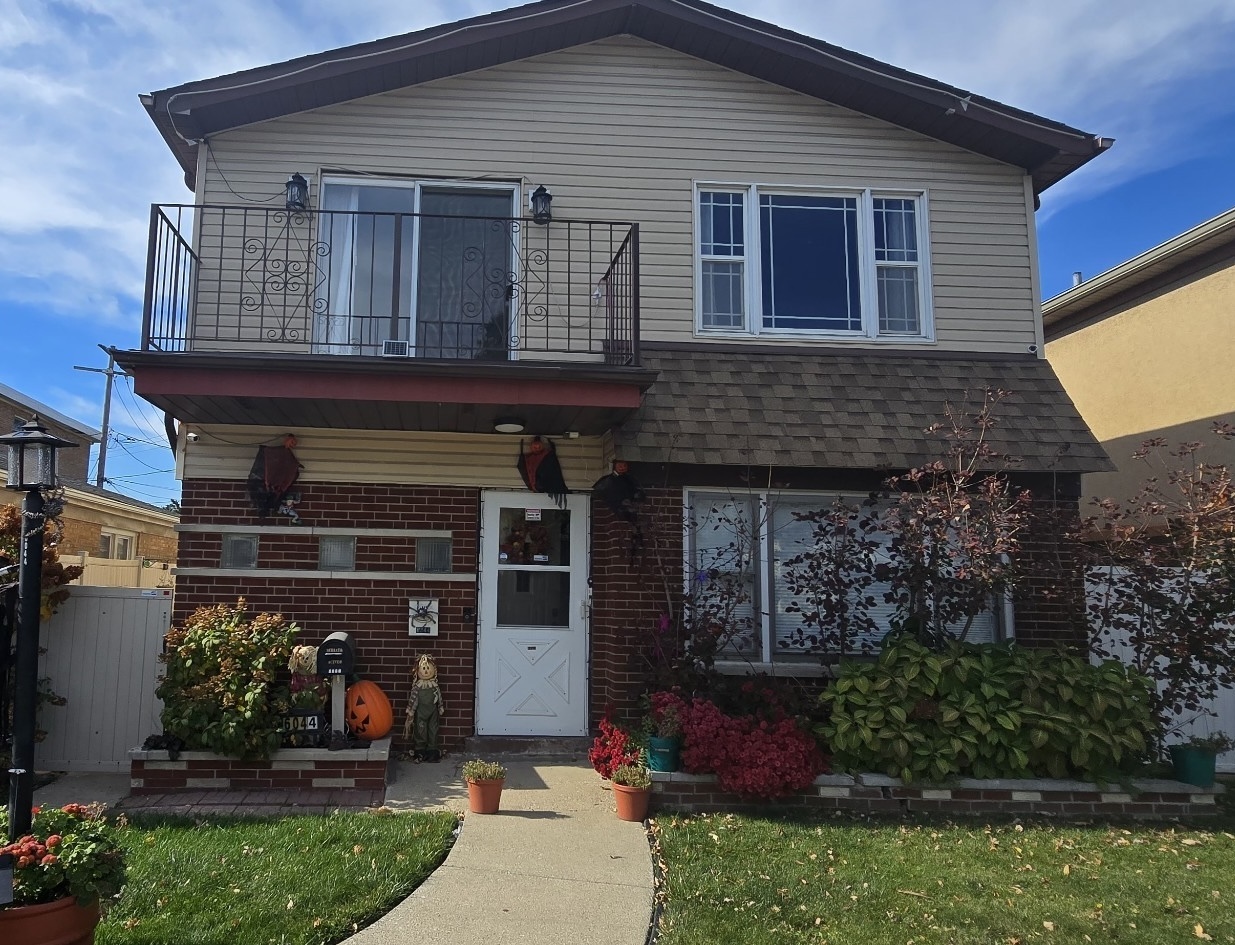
1191, 251
1046, 149
49, 413
824, 408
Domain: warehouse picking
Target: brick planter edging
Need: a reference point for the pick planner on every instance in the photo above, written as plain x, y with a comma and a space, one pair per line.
878, 793
289, 769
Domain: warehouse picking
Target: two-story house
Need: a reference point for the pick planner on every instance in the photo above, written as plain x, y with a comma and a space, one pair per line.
749, 264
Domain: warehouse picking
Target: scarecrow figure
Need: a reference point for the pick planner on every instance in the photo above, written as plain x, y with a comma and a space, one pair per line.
540, 470
424, 711
308, 690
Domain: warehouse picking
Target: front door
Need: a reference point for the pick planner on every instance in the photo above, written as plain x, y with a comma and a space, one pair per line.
532, 657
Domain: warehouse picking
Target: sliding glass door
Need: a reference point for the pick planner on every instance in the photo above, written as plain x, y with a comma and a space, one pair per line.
424, 263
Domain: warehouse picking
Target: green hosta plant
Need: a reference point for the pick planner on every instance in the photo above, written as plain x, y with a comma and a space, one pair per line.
220, 690
987, 711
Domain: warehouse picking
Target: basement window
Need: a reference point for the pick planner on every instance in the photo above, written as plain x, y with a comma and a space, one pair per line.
336, 553
239, 552
433, 554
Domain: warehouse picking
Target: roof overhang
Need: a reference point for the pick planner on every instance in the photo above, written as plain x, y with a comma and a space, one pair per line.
1046, 149
384, 394
1204, 245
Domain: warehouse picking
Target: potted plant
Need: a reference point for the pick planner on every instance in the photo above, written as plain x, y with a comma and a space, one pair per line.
664, 738
632, 789
1195, 760
484, 785
65, 870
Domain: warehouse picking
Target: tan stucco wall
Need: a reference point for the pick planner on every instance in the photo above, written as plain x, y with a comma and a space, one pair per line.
1162, 365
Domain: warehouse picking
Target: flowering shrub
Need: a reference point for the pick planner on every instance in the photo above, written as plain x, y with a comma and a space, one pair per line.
612, 749
765, 755
70, 851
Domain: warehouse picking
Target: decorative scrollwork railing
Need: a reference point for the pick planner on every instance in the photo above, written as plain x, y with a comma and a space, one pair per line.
367, 284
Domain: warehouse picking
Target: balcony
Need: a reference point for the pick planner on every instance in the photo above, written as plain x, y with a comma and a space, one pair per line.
343, 317
391, 284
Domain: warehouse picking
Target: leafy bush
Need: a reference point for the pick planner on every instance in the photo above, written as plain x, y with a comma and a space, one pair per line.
756, 756
986, 711
219, 692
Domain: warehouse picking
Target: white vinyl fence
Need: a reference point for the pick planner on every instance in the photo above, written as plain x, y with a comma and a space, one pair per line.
1222, 706
102, 655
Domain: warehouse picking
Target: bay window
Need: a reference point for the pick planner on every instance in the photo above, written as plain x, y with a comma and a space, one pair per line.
738, 548
814, 263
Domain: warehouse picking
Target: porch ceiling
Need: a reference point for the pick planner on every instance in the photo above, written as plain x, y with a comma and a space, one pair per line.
379, 394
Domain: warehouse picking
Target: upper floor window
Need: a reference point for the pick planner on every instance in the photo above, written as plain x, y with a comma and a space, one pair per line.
835, 263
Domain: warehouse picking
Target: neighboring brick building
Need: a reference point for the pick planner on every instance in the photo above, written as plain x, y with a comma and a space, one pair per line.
121, 541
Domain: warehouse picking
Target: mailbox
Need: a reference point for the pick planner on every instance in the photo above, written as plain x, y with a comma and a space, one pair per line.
335, 655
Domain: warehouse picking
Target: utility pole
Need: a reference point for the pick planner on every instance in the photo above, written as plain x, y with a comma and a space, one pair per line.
111, 374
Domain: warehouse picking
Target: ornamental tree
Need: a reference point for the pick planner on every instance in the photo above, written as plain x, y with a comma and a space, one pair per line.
1162, 578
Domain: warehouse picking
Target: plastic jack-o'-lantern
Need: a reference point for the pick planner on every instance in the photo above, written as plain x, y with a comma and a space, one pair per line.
367, 711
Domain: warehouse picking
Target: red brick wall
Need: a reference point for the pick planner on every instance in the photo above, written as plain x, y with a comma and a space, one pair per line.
374, 611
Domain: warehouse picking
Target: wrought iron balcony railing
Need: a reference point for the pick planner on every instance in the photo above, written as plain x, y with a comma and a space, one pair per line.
221, 278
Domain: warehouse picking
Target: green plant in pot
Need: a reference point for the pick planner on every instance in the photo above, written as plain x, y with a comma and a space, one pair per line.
632, 791
65, 870
663, 727
485, 780
1195, 760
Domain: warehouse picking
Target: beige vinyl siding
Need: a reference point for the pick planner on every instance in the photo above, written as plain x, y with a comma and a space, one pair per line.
386, 456
621, 129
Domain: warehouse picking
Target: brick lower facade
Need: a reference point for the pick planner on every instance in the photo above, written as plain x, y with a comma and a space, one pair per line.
635, 578
880, 794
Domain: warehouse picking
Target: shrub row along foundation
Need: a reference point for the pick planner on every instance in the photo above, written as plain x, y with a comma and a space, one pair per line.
880, 794
154, 772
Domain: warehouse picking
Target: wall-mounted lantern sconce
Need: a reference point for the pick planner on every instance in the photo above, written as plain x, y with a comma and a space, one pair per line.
541, 200
297, 192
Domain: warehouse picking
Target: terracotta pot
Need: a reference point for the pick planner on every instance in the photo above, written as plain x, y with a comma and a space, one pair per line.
62, 922
483, 797
632, 802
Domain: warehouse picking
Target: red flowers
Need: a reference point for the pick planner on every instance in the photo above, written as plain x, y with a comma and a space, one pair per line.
611, 749
760, 757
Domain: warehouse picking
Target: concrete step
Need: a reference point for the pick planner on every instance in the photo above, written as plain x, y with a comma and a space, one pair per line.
486, 746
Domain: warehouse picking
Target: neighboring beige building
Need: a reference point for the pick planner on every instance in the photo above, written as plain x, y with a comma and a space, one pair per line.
1147, 349
122, 542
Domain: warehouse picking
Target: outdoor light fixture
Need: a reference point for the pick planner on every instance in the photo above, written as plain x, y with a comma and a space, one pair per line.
32, 456
32, 468
297, 192
541, 199
508, 425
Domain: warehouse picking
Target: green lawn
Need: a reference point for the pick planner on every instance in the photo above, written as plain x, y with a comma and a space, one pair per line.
291, 881
753, 880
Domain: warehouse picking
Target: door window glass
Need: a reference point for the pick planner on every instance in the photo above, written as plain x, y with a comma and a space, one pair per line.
534, 537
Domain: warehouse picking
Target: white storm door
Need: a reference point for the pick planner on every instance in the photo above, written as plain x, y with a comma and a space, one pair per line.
532, 649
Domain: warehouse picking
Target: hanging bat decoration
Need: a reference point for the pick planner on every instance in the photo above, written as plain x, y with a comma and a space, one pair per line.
540, 470
274, 472
620, 492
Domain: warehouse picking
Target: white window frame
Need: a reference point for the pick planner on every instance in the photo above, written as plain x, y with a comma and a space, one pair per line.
115, 535
763, 606
867, 264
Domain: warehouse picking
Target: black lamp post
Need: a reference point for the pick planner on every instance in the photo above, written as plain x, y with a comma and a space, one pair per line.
31, 469
297, 192
541, 201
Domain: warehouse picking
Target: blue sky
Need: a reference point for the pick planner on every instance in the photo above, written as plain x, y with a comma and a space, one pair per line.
81, 163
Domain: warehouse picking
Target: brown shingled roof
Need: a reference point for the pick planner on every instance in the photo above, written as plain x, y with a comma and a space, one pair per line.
826, 409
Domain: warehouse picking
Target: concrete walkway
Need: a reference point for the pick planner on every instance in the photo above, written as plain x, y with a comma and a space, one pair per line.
554, 865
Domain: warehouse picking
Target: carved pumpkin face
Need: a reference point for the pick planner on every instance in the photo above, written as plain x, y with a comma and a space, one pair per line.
367, 711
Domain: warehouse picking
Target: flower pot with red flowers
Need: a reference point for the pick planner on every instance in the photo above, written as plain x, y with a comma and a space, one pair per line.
65, 870
484, 785
632, 790
663, 725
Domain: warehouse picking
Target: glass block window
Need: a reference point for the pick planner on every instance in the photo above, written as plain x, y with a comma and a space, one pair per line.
336, 553
239, 551
433, 554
